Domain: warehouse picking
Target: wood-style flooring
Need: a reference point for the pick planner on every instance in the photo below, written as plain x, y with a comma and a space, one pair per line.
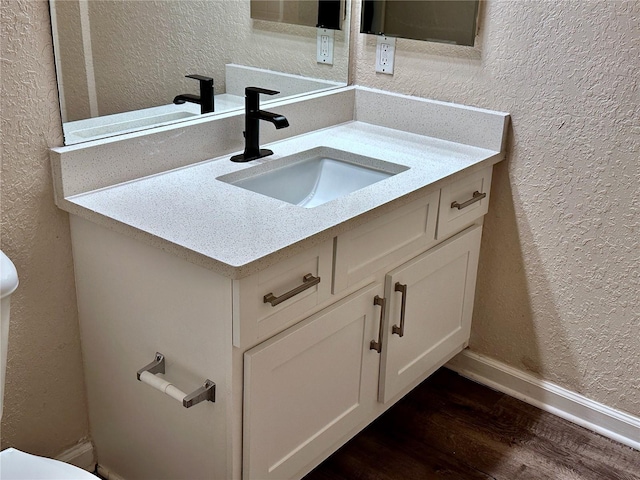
452, 428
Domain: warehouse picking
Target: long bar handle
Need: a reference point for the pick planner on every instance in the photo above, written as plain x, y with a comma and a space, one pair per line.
477, 196
399, 330
148, 373
308, 281
377, 345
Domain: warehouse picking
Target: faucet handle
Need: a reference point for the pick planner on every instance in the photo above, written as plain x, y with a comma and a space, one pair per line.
205, 99
258, 90
200, 78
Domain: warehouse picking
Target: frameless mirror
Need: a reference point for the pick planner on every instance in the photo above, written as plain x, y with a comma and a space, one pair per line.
446, 21
313, 13
121, 64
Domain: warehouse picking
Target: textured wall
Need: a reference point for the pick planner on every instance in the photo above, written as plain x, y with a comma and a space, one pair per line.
559, 283
44, 405
143, 49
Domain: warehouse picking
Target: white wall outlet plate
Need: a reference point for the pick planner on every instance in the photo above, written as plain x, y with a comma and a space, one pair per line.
385, 54
325, 46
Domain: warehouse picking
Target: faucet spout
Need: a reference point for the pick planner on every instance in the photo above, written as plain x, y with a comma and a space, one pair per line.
252, 118
279, 121
205, 99
186, 97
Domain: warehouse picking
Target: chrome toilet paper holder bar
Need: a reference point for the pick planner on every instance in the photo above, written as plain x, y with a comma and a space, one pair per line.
148, 373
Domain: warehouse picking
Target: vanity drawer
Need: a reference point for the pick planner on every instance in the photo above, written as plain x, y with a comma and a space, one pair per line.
291, 289
463, 201
367, 249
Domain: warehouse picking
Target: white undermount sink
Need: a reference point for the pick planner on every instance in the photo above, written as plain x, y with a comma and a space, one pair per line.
313, 177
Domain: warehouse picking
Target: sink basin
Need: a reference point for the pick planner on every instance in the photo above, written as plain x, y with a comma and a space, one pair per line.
313, 177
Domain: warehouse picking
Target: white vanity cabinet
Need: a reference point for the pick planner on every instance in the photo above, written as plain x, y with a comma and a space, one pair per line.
310, 388
294, 381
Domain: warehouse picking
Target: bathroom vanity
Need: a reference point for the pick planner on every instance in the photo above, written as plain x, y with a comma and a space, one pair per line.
311, 322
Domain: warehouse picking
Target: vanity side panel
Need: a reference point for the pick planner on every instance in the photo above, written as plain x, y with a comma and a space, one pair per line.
133, 301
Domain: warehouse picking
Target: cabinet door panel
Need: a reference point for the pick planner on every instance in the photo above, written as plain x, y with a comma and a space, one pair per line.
439, 303
309, 386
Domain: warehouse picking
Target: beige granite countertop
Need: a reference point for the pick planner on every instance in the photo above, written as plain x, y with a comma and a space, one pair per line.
237, 232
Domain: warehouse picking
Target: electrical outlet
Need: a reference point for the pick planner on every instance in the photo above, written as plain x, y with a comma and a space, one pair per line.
325, 46
385, 54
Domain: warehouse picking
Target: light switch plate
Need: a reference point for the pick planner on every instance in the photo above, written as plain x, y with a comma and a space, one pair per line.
385, 54
325, 46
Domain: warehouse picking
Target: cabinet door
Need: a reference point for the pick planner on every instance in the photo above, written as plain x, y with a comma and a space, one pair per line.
309, 387
438, 303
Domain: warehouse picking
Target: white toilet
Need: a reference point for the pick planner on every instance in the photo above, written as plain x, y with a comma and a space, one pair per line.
14, 464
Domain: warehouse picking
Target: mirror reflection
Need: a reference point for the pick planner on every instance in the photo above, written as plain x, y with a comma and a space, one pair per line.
313, 13
121, 64
445, 21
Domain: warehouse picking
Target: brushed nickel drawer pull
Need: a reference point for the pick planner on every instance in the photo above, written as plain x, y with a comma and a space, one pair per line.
403, 289
377, 346
477, 196
308, 281
148, 375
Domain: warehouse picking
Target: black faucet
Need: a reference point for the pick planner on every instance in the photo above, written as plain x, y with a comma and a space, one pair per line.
252, 118
205, 100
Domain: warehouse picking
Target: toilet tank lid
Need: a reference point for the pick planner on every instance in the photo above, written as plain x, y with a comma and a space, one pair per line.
8, 276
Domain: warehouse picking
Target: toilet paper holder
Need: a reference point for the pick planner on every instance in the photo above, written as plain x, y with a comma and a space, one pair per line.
148, 373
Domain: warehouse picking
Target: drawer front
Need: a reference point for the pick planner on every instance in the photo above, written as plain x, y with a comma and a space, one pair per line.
460, 205
366, 249
255, 319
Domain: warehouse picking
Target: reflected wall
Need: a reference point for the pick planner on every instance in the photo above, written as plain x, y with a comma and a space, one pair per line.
120, 56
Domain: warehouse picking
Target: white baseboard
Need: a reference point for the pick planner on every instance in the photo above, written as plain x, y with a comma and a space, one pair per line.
547, 396
80, 455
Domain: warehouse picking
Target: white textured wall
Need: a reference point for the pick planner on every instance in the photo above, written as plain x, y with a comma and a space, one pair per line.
44, 405
559, 283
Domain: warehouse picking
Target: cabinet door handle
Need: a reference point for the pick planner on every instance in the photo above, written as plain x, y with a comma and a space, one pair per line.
148, 375
399, 330
377, 346
308, 281
477, 196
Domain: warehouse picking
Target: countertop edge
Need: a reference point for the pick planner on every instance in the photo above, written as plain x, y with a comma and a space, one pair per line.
236, 272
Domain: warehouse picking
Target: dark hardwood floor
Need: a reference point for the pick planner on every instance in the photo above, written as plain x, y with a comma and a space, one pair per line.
452, 428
